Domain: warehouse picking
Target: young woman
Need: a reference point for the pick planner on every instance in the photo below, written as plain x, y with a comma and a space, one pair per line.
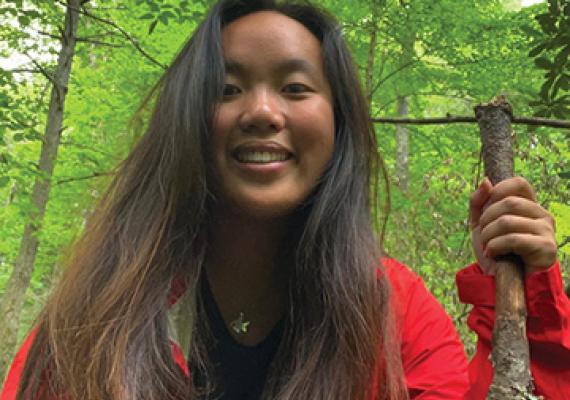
250, 190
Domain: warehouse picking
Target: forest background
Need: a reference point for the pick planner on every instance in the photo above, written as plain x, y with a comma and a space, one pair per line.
417, 58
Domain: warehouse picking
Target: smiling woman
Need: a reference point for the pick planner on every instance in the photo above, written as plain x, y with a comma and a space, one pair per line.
250, 191
273, 133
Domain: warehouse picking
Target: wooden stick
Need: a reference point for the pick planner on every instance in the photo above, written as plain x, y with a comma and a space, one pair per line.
510, 354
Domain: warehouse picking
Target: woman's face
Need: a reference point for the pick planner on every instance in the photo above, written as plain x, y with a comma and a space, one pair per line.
274, 129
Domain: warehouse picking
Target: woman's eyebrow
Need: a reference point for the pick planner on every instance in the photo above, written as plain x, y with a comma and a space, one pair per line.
282, 67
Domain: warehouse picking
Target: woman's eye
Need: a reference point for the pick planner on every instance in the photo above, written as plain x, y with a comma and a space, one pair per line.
296, 88
230, 90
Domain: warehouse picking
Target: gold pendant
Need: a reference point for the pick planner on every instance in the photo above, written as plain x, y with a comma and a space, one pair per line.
239, 325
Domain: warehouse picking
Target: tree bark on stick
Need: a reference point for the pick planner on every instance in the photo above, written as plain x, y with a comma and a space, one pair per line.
510, 355
19, 280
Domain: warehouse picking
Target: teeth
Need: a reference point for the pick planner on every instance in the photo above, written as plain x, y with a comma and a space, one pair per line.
261, 157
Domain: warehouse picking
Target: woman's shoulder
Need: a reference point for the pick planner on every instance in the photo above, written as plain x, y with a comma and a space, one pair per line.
410, 298
402, 279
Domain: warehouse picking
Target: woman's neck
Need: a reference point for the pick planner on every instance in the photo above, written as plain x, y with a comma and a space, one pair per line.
243, 274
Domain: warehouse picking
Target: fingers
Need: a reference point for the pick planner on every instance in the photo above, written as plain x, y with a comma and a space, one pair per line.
517, 186
478, 200
509, 220
510, 224
538, 252
513, 205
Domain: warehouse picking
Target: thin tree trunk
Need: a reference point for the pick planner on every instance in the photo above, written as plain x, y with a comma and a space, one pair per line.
407, 40
371, 61
13, 299
510, 355
402, 146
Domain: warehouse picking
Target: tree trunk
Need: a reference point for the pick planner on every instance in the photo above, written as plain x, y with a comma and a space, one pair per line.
371, 61
510, 355
402, 146
407, 40
13, 299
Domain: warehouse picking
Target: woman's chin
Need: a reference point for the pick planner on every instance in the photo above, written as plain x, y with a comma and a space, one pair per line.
264, 209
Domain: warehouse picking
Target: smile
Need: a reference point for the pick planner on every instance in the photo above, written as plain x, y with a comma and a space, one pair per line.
261, 157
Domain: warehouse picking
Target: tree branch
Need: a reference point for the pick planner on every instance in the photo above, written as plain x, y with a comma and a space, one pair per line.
98, 42
84, 147
391, 74
455, 119
82, 178
555, 123
22, 70
42, 70
123, 32
50, 35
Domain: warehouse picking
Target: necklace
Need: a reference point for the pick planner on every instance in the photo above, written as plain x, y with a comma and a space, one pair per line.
240, 325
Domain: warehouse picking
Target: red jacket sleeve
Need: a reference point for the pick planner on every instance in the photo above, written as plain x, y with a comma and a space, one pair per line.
433, 358
10, 388
548, 330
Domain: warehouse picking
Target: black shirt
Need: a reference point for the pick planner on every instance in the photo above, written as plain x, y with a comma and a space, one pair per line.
240, 371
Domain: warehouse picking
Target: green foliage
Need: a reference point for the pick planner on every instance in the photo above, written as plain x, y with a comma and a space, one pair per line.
551, 51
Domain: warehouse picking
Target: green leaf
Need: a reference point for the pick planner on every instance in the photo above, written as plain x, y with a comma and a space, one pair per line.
537, 50
530, 31
547, 23
23, 20
565, 99
4, 181
152, 26
561, 111
562, 57
545, 90
543, 63
165, 16
147, 16
561, 39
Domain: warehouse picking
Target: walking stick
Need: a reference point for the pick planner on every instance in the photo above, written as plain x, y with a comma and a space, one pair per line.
510, 354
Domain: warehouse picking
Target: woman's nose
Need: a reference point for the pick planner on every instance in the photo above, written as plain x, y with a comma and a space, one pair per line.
262, 113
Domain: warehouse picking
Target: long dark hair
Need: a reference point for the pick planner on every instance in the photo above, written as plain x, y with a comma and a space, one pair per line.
104, 332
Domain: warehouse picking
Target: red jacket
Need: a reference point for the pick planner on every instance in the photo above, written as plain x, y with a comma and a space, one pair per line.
434, 362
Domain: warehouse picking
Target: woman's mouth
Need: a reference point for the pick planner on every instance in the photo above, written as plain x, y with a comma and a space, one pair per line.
261, 152
261, 157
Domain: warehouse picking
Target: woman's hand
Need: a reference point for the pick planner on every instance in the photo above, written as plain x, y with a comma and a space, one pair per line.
506, 218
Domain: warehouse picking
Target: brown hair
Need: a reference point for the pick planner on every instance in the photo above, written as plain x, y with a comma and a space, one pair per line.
104, 335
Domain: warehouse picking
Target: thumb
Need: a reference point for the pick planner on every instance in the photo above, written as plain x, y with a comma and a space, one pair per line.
478, 200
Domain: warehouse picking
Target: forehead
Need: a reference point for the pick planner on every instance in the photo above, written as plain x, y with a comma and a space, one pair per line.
269, 36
